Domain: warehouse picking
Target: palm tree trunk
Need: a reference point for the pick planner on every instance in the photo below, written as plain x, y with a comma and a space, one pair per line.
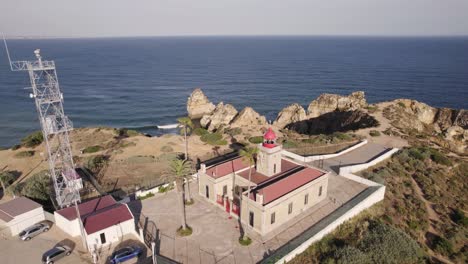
180, 195
189, 193
3, 186
186, 143
248, 200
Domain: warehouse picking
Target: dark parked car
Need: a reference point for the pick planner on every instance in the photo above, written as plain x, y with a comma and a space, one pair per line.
125, 254
33, 231
55, 254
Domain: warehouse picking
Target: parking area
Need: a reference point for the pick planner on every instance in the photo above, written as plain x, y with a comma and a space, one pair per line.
14, 250
215, 235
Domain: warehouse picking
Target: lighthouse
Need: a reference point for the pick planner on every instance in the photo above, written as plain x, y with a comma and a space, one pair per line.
269, 155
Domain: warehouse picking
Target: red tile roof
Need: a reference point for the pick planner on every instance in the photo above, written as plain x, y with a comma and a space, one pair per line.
281, 187
226, 168
16, 207
258, 178
99, 213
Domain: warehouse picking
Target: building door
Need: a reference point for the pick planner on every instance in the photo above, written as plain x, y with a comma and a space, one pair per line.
251, 219
103, 238
207, 191
228, 206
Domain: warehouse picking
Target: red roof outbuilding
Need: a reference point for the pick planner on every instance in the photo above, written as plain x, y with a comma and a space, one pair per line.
99, 213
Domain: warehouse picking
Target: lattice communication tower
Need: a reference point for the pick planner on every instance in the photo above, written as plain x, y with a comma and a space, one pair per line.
55, 127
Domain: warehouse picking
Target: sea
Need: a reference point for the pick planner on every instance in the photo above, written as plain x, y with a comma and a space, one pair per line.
141, 83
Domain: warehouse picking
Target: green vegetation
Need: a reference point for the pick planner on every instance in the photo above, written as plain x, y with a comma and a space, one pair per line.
166, 148
374, 133
256, 140
289, 144
25, 154
96, 163
15, 147
401, 104
245, 241
184, 231
32, 140
148, 195
38, 187
215, 139
372, 108
200, 131
92, 149
233, 131
6, 178
364, 241
163, 189
124, 132
442, 181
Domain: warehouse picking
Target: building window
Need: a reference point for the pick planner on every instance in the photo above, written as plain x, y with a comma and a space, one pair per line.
251, 218
207, 191
306, 199
273, 216
225, 190
290, 208
274, 168
320, 191
103, 238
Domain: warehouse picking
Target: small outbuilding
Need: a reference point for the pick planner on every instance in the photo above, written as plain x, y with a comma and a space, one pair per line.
20, 213
104, 220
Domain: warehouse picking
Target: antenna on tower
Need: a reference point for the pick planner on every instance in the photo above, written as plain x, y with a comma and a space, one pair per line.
7, 51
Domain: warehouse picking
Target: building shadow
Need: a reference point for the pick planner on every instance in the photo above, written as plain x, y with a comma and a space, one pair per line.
68, 243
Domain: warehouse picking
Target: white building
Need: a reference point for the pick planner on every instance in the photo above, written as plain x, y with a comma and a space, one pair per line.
20, 213
105, 221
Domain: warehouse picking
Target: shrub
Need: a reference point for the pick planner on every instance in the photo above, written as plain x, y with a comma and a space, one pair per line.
163, 189
167, 149
459, 217
351, 255
256, 140
386, 242
184, 232
401, 104
213, 139
38, 186
439, 158
289, 144
245, 242
92, 149
95, 163
148, 195
199, 131
415, 153
32, 140
374, 133
372, 108
25, 154
233, 131
124, 132
15, 147
443, 246
341, 136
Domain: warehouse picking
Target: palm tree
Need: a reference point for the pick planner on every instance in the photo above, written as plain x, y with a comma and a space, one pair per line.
187, 126
180, 169
248, 154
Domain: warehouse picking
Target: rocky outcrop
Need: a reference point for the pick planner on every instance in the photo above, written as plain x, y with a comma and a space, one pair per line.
327, 103
223, 114
337, 121
422, 111
446, 118
248, 117
198, 104
290, 114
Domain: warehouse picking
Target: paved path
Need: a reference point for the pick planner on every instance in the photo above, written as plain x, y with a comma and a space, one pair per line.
359, 155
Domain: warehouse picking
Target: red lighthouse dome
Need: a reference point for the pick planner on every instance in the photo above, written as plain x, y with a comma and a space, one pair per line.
269, 139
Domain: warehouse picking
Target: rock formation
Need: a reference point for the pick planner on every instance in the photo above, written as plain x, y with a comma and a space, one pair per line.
198, 104
248, 117
290, 114
326, 103
222, 115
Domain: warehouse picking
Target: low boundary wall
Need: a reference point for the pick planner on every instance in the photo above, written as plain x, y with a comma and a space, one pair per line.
370, 196
319, 157
155, 190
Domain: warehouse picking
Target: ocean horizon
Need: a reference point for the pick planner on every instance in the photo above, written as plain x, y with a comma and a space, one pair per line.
141, 82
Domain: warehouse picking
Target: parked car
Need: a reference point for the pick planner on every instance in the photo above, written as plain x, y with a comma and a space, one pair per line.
125, 254
33, 231
55, 254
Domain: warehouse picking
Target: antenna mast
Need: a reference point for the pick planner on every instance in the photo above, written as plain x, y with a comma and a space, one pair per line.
55, 127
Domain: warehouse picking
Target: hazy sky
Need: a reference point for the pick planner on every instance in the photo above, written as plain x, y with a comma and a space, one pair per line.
91, 18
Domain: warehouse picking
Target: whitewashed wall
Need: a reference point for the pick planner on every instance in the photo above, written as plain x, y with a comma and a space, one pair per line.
113, 234
23, 221
70, 227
